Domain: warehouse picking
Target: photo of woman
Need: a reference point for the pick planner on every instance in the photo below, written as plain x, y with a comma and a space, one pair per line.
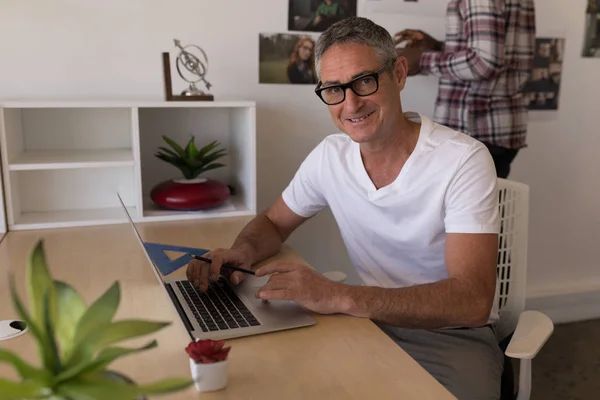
287, 58
301, 64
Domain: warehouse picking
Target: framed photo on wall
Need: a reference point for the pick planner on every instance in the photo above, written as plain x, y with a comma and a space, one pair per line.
431, 8
591, 42
287, 58
318, 15
543, 88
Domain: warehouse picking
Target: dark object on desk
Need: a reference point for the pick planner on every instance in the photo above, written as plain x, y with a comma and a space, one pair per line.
18, 325
229, 266
10, 329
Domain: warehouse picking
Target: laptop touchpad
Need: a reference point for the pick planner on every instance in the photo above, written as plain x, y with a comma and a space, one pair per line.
255, 281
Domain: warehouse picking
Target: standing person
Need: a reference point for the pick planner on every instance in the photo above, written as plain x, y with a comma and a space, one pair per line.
483, 66
416, 204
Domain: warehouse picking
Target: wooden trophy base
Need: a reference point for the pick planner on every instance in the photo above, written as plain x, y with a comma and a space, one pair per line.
169, 89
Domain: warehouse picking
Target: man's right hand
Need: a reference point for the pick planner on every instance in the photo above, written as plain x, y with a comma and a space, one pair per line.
199, 272
417, 38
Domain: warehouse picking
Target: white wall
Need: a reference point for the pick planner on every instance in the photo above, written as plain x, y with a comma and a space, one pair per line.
111, 49
561, 165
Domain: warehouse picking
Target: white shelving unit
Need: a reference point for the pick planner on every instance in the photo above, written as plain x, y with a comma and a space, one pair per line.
63, 163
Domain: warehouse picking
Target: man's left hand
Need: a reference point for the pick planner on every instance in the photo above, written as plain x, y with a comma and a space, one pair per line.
413, 58
301, 284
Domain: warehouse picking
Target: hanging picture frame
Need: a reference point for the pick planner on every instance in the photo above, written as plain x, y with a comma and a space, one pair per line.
591, 40
430, 8
543, 88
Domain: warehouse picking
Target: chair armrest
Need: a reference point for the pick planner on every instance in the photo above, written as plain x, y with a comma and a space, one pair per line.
533, 330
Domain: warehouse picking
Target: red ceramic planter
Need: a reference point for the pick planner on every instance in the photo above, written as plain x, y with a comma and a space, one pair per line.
190, 195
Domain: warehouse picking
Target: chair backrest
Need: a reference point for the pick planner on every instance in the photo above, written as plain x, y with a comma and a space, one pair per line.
512, 254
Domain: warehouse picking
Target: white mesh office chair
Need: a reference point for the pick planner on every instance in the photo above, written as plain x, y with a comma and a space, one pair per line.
520, 333
529, 329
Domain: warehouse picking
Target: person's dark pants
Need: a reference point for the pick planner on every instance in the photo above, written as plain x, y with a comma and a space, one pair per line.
467, 361
503, 157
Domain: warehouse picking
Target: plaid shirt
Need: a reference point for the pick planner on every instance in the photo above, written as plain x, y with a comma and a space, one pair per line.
486, 61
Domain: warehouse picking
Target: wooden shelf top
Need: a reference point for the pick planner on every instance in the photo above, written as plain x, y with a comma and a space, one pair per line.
125, 104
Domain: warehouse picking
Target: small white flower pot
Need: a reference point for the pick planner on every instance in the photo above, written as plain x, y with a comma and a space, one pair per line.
209, 377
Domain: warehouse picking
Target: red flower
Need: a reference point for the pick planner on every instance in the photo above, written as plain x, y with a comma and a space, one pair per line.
207, 351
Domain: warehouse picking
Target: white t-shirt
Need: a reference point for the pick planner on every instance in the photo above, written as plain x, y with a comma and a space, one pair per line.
395, 236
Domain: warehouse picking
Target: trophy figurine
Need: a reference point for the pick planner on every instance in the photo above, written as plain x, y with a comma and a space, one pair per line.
192, 65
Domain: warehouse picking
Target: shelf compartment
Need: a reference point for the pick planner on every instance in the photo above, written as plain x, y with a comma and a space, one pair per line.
233, 127
69, 197
233, 207
63, 159
42, 129
69, 218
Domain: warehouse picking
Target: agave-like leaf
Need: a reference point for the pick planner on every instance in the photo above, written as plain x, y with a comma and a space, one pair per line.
107, 356
10, 390
209, 167
179, 164
178, 149
70, 309
190, 160
52, 347
171, 159
97, 316
213, 157
99, 390
25, 370
38, 334
101, 312
168, 151
176, 162
206, 149
191, 151
122, 330
188, 173
39, 282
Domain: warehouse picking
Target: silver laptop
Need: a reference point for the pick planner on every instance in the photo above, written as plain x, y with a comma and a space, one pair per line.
226, 311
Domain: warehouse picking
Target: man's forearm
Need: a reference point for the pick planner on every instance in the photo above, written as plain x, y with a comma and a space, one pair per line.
462, 66
446, 303
259, 239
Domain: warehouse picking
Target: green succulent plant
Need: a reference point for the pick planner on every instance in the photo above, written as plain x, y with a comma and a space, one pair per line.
190, 160
75, 342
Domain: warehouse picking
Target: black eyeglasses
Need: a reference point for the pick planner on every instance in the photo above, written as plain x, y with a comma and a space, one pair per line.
364, 85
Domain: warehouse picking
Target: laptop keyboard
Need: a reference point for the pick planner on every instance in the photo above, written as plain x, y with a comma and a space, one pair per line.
219, 308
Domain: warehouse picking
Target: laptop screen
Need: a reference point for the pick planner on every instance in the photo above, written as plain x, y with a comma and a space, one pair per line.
140, 240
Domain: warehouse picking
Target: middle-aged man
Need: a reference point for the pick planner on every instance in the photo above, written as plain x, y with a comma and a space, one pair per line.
483, 66
417, 207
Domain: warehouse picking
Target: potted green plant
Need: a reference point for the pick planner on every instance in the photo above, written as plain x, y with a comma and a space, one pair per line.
192, 191
76, 343
208, 364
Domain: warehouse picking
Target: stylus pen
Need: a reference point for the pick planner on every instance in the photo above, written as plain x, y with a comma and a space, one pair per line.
208, 260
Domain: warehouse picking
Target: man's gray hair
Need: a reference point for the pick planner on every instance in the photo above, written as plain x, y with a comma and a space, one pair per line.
356, 30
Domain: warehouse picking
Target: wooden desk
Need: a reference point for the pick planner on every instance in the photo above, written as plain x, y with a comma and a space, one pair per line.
338, 358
